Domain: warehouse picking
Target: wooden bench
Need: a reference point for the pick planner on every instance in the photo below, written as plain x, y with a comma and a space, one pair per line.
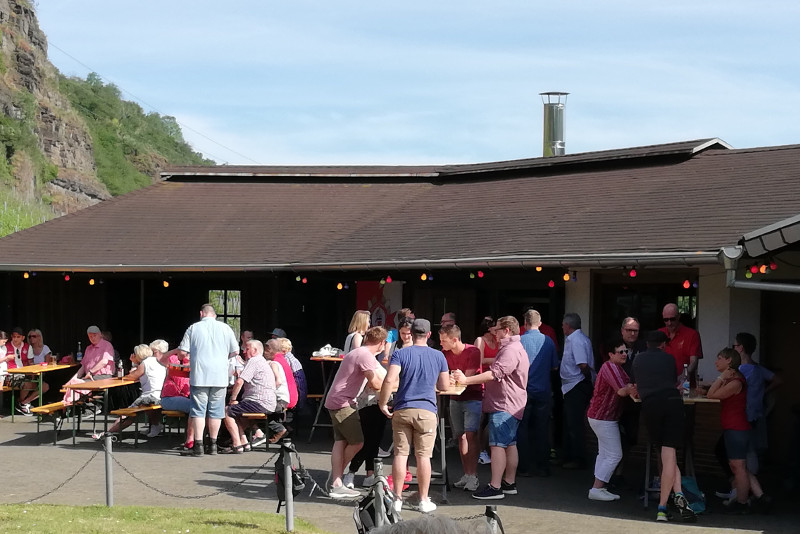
50, 410
174, 414
135, 412
260, 417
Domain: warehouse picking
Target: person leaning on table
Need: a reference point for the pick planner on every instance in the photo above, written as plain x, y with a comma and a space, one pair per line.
656, 381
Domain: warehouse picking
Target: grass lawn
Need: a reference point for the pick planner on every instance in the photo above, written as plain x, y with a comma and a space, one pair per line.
45, 518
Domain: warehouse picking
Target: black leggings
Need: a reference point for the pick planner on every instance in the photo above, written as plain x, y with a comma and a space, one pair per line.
372, 424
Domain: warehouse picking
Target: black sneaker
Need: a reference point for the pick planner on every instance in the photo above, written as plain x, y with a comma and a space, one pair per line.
682, 505
738, 508
508, 489
488, 492
763, 504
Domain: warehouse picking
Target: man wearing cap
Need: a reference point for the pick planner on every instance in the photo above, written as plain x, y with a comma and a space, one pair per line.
17, 349
98, 358
682, 342
655, 377
278, 332
209, 343
416, 371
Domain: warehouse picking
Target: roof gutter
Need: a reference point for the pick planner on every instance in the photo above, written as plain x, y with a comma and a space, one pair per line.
518, 261
729, 258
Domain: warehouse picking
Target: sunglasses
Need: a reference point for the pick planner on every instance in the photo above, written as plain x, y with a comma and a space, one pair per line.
670, 319
622, 351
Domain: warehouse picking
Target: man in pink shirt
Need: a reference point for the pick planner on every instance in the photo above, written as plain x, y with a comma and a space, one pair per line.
357, 367
504, 399
98, 359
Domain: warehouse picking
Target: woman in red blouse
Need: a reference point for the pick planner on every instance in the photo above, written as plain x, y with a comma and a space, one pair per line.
730, 388
611, 385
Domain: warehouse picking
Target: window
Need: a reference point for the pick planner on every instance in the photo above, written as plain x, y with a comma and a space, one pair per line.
228, 305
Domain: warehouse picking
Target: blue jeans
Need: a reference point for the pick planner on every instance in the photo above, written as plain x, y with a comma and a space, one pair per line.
534, 433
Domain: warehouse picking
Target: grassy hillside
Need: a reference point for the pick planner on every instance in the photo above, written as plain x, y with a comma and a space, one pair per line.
130, 145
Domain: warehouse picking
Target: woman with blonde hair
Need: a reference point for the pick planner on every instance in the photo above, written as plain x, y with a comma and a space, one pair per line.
150, 374
359, 325
39, 352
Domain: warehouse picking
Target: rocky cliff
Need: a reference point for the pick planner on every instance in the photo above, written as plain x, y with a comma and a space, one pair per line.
48, 148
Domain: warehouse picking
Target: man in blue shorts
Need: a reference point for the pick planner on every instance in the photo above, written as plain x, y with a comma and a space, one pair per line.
208, 343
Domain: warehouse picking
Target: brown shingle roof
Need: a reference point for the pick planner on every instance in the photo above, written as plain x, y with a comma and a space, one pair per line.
657, 211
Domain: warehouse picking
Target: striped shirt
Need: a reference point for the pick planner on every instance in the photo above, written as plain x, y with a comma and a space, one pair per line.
606, 405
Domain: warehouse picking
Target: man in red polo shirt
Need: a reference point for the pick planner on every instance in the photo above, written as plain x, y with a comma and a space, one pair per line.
684, 342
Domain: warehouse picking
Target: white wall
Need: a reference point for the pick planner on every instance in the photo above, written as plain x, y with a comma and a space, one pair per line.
722, 313
577, 299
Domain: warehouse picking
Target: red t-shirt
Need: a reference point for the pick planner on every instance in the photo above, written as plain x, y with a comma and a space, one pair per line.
733, 410
24, 349
606, 405
685, 344
468, 360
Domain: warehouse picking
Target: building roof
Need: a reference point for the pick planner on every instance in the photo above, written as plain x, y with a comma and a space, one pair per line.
668, 204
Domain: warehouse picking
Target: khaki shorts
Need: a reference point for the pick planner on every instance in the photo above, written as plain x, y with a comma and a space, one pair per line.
347, 425
417, 426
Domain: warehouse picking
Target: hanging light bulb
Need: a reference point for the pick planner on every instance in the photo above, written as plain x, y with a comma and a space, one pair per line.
346, 285
383, 281
695, 284
430, 278
754, 268
472, 275
551, 284
748, 274
763, 269
339, 286
165, 283
298, 278
304, 280
25, 275
686, 284
388, 279
480, 274
538, 268
566, 277
632, 272
423, 277
773, 266
91, 281
66, 278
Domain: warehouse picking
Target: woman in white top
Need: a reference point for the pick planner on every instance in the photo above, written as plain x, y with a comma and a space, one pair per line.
150, 374
359, 325
38, 352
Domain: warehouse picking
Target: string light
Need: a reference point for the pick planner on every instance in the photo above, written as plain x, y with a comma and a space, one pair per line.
566, 277
480, 274
686, 284
423, 277
66, 278
297, 278
538, 268
773, 266
763, 269
472, 275
388, 279
304, 280
551, 284
632, 273
383, 281
25, 276
748, 275
91, 281
754, 268
165, 283
339, 286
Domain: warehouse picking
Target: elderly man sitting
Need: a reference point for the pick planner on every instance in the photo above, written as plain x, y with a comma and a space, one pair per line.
258, 381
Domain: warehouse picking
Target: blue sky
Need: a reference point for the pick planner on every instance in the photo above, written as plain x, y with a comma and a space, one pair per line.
351, 82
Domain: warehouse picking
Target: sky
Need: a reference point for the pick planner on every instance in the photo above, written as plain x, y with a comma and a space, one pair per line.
354, 82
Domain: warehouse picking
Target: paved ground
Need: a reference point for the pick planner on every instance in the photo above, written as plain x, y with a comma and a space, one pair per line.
34, 466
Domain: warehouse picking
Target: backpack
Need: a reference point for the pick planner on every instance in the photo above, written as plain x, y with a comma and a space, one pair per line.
364, 513
695, 497
299, 475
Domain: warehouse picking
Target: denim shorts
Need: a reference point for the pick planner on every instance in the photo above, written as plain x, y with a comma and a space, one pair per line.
502, 429
737, 443
208, 399
465, 416
176, 404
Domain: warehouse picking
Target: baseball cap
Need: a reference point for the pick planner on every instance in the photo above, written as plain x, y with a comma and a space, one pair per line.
420, 326
93, 330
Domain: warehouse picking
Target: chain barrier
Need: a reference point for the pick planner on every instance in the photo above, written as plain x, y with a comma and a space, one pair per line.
468, 517
178, 496
26, 501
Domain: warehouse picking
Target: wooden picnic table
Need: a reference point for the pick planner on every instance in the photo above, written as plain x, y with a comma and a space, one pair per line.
37, 371
102, 385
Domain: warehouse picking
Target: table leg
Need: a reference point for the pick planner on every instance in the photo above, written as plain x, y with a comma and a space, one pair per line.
13, 402
105, 411
327, 386
41, 379
442, 445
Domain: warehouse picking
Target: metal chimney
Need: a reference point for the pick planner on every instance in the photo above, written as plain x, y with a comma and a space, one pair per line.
553, 139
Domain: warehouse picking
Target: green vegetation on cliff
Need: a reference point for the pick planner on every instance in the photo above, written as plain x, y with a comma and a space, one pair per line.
130, 146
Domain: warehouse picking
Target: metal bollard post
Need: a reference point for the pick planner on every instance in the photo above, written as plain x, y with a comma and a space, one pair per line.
288, 496
109, 471
378, 494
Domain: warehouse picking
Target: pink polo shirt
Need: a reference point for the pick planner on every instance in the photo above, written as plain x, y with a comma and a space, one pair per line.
506, 393
96, 353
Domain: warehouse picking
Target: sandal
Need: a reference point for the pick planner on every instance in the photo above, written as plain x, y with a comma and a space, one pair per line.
246, 447
238, 449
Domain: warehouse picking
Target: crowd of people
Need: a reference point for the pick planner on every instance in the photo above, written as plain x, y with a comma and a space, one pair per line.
499, 389
507, 395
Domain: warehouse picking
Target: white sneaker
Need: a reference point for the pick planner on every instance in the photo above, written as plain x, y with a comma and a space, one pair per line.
154, 431
426, 506
369, 480
462, 481
472, 484
347, 480
398, 505
601, 494
342, 492
484, 458
385, 454
145, 431
731, 499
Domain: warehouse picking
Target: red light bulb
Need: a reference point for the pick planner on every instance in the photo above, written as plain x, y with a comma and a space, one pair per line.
480, 274
632, 274
66, 278
551, 284
754, 269
773, 266
305, 280
388, 279
686, 284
